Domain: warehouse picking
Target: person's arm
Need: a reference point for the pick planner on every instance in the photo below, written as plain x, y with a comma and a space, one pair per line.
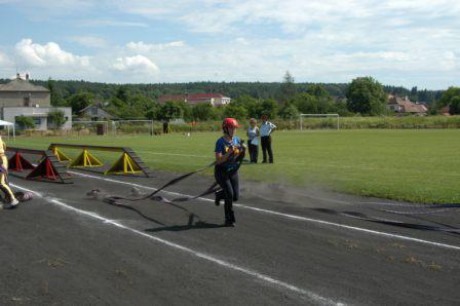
273, 128
222, 158
3, 146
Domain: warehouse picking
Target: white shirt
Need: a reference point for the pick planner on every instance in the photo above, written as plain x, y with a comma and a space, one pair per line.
252, 135
266, 128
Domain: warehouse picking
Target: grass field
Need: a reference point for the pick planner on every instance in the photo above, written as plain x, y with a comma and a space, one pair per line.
413, 165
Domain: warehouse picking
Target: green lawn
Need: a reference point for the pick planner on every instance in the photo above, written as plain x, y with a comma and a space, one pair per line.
412, 165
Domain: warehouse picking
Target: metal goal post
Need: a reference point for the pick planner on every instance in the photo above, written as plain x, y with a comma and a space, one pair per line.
77, 125
140, 123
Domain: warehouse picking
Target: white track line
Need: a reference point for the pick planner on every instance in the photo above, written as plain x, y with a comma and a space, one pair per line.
290, 216
317, 299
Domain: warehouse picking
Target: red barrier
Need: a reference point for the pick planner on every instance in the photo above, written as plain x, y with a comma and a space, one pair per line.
48, 167
18, 163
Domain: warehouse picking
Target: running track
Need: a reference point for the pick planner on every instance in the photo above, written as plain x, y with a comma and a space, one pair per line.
289, 247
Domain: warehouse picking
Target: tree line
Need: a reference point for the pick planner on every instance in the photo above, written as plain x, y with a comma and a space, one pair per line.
286, 99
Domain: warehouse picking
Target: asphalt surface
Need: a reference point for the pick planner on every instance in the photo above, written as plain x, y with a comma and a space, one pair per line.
290, 246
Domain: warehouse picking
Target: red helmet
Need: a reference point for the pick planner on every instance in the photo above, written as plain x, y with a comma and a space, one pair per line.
230, 123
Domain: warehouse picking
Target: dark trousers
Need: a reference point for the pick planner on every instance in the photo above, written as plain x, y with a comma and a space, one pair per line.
229, 183
253, 152
267, 148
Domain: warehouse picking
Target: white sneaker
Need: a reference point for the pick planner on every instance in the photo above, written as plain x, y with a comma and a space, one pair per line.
12, 204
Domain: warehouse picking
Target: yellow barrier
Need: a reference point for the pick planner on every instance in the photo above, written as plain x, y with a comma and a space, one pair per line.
86, 159
128, 163
124, 165
60, 155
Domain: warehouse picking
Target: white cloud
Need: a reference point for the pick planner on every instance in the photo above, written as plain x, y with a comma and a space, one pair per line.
135, 64
290, 16
110, 23
141, 47
232, 40
389, 56
90, 41
49, 54
52, 6
2, 58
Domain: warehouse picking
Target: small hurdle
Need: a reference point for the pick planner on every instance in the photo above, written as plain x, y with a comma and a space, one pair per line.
48, 167
128, 163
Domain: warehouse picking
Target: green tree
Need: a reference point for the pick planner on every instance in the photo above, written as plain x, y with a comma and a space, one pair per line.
268, 107
186, 110
122, 94
288, 88
450, 98
25, 122
317, 91
454, 108
170, 110
154, 112
217, 113
138, 106
341, 108
56, 119
289, 111
414, 94
235, 111
366, 96
55, 94
252, 105
306, 103
80, 100
116, 107
202, 112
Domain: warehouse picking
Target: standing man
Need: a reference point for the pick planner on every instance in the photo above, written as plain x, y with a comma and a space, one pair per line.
266, 129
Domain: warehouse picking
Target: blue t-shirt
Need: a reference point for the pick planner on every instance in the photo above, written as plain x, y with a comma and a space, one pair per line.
222, 146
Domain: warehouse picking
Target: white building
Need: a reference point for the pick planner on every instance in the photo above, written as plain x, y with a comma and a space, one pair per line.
21, 98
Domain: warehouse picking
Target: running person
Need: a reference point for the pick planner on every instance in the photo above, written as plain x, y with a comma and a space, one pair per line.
10, 199
229, 152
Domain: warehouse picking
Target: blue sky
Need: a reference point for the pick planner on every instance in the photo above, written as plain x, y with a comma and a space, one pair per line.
397, 42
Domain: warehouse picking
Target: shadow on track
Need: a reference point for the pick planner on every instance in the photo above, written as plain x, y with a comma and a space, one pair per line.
178, 228
189, 226
360, 216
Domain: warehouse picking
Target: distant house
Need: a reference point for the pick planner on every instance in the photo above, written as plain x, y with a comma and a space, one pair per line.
215, 99
22, 98
405, 106
445, 111
95, 112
